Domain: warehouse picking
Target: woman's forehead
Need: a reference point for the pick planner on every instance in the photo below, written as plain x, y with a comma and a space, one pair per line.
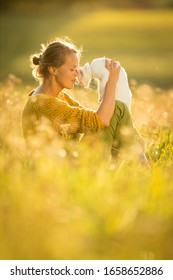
72, 59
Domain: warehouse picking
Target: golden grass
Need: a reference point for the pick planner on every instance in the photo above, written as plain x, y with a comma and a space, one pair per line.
63, 202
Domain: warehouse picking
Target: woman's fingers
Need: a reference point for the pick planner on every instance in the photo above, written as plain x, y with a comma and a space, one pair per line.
113, 67
111, 64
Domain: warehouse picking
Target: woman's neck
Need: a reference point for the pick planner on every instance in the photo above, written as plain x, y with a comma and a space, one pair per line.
49, 87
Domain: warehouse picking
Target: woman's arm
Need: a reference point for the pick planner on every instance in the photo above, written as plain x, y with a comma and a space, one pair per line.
107, 106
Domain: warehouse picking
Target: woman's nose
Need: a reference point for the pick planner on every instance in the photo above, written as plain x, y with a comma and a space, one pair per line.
77, 72
78, 75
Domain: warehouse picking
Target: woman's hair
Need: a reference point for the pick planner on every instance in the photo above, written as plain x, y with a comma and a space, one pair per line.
53, 54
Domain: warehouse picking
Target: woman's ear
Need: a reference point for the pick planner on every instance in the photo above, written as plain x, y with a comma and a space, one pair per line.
52, 70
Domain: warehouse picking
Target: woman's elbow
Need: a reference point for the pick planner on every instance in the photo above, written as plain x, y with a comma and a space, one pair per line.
106, 123
104, 119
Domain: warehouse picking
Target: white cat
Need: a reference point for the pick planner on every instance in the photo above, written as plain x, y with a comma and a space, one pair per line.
97, 70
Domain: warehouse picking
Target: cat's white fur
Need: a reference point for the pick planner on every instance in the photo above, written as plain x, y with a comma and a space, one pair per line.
97, 70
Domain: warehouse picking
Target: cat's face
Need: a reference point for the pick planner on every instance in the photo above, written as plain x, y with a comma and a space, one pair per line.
84, 77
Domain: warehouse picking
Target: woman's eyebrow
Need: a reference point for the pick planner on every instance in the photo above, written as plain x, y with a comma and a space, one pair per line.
74, 65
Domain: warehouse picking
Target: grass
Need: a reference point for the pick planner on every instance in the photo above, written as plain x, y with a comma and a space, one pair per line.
63, 202
140, 39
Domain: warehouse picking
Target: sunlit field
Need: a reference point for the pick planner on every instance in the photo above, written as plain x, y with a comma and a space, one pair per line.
65, 202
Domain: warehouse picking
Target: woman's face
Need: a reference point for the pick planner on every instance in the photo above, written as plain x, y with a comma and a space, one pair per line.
67, 73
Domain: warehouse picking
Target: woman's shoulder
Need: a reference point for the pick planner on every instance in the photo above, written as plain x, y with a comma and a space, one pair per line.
38, 96
69, 99
40, 100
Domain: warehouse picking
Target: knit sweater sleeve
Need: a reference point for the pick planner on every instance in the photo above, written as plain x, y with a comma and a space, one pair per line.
80, 119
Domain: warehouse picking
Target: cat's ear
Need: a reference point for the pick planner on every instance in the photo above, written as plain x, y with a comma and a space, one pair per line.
87, 67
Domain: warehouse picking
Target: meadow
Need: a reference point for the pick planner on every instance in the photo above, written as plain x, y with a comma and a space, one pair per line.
64, 201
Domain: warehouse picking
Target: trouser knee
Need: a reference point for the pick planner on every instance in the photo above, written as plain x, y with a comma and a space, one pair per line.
122, 110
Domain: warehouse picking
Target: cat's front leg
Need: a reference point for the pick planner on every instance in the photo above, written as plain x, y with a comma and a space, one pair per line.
101, 87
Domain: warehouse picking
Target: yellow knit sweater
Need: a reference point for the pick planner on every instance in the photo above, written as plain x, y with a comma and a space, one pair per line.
42, 113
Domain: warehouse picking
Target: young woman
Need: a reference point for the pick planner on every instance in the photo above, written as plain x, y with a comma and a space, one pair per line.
48, 109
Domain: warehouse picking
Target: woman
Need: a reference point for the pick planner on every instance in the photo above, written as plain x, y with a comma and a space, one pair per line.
48, 110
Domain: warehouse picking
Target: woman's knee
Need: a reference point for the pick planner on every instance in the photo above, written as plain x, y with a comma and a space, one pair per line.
121, 110
121, 106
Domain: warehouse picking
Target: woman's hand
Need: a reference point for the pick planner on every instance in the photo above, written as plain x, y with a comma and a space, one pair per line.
113, 68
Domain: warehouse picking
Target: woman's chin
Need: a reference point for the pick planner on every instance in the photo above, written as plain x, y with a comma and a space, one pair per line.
70, 86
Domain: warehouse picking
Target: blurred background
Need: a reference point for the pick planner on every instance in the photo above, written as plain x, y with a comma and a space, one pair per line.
61, 201
137, 33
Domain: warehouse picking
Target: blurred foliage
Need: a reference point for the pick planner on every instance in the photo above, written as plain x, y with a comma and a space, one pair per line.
35, 5
140, 39
62, 201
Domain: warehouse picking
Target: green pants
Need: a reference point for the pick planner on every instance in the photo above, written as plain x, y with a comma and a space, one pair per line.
121, 133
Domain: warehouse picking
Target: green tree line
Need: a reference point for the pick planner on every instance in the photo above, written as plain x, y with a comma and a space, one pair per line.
11, 5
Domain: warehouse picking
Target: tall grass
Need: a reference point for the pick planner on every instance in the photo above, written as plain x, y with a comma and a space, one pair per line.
64, 202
